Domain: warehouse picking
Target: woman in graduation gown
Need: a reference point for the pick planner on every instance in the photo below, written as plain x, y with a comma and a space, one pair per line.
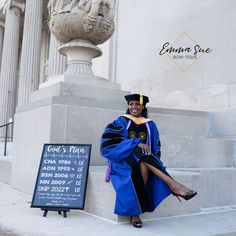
131, 145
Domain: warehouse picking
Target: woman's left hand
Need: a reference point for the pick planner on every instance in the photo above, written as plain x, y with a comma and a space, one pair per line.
145, 148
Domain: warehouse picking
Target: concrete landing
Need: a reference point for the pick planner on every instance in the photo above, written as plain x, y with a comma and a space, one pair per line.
18, 219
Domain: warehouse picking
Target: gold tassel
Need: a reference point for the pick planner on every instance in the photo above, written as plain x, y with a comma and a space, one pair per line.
141, 99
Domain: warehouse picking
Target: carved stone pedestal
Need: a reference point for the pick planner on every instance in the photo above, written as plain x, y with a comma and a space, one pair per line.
79, 55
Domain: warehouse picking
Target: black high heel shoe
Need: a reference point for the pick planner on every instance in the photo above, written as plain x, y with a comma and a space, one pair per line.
187, 196
136, 224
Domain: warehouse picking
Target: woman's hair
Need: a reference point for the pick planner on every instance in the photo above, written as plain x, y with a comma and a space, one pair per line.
144, 112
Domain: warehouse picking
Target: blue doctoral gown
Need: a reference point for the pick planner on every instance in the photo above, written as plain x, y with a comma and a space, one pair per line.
117, 146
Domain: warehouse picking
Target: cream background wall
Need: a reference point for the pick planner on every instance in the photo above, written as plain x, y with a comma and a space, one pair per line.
144, 26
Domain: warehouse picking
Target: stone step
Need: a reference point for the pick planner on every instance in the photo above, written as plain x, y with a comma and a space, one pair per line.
182, 152
183, 122
171, 122
76, 121
5, 162
222, 123
5, 169
194, 152
100, 196
9, 149
180, 122
218, 187
215, 187
82, 95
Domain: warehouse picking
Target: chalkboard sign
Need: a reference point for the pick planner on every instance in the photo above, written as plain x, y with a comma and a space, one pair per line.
62, 176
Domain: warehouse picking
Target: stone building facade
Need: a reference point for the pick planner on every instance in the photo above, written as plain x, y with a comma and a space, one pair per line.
151, 52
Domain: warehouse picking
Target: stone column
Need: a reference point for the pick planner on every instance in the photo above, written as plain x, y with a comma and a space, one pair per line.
8, 76
30, 58
56, 62
2, 26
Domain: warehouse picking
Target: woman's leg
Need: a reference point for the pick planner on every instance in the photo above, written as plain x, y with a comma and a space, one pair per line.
144, 172
135, 220
175, 187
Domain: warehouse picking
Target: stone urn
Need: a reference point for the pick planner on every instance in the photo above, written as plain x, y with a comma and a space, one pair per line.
80, 25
